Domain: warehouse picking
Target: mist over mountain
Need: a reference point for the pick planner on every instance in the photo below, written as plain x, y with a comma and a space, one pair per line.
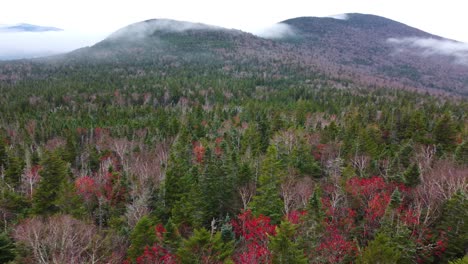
360, 48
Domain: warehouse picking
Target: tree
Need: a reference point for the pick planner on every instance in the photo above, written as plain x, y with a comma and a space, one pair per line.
454, 224
380, 251
63, 239
283, 246
142, 235
202, 247
7, 249
54, 174
14, 170
412, 176
445, 133
267, 200
461, 153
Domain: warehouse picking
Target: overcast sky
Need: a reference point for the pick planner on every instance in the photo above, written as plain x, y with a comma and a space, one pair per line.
88, 21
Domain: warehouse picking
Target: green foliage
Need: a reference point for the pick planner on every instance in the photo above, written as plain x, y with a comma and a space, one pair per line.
203, 247
14, 170
144, 234
267, 200
380, 251
412, 176
463, 260
284, 248
455, 225
54, 175
445, 133
7, 249
461, 153
395, 199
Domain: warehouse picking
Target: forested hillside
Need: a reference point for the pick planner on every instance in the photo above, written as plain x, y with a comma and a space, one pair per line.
211, 152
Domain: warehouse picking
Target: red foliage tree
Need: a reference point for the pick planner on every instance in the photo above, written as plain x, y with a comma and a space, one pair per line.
254, 232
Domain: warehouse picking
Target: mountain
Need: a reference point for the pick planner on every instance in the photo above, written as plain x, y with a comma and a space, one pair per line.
379, 50
24, 27
356, 48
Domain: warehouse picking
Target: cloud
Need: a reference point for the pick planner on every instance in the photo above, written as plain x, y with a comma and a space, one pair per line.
276, 31
431, 46
146, 28
340, 16
18, 45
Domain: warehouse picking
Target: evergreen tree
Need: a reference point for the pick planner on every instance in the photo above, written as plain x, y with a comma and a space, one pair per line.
202, 247
7, 249
395, 199
412, 176
267, 200
461, 153
54, 174
445, 134
380, 251
14, 171
454, 223
144, 234
284, 248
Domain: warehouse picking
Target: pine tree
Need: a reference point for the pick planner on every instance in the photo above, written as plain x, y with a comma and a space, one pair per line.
54, 174
461, 153
380, 251
202, 247
412, 176
454, 223
7, 249
267, 200
395, 199
14, 171
445, 134
144, 234
284, 248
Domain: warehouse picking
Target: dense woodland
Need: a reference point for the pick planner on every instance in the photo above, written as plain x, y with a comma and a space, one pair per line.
185, 162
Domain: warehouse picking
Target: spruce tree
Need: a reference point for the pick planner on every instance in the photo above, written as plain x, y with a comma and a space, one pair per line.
267, 200
380, 251
412, 176
461, 153
7, 249
143, 235
202, 247
284, 248
54, 174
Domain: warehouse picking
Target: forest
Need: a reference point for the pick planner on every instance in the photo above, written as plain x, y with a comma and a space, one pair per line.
190, 164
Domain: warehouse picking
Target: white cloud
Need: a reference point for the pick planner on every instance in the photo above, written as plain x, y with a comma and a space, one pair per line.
146, 28
340, 16
431, 46
276, 31
15, 45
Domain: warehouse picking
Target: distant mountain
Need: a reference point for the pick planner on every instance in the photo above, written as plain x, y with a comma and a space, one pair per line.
353, 48
379, 50
162, 38
23, 27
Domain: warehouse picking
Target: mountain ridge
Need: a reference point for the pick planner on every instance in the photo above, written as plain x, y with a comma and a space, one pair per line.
365, 49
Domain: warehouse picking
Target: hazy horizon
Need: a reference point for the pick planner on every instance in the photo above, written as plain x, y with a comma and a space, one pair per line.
87, 22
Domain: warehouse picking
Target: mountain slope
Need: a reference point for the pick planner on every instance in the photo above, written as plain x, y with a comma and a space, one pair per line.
362, 49
361, 46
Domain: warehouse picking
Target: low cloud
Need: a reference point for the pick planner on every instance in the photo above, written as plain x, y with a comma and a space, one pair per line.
340, 16
146, 28
431, 46
19, 45
276, 31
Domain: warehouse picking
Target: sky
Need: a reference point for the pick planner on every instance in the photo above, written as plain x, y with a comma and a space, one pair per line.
88, 21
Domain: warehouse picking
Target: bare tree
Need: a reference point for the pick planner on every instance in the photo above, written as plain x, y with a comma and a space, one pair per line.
246, 193
63, 239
